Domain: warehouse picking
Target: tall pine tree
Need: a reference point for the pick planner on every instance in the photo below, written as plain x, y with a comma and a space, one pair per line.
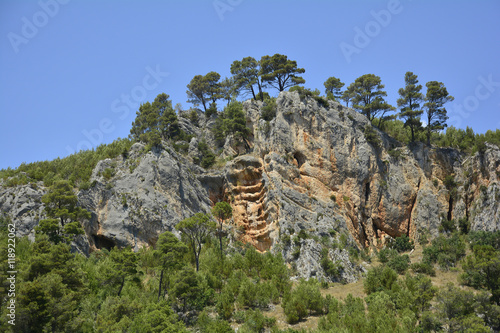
369, 97
437, 95
410, 100
332, 87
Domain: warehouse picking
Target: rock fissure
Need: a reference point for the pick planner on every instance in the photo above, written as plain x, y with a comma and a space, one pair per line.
412, 207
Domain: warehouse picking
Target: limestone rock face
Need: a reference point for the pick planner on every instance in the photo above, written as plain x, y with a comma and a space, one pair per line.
147, 195
24, 206
307, 178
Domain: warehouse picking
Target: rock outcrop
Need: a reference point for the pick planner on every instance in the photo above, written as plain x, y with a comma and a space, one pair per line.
310, 170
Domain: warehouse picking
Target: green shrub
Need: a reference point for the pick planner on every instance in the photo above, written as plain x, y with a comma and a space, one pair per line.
182, 147
447, 226
379, 279
399, 263
315, 94
304, 300
124, 200
262, 96
108, 173
402, 244
225, 304
464, 225
385, 254
208, 325
193, 117
484, 238
268, 109
84, 185
211, 110
303, 234
285, 239
445, 251
394, 153
372, 136
208, 157
331, 269
255, 321
482, 270
423, 268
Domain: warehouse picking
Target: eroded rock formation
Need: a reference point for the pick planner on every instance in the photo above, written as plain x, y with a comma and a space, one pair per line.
247, 190
309, 170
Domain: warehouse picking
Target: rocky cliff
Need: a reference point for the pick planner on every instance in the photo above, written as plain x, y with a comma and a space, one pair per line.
311, 168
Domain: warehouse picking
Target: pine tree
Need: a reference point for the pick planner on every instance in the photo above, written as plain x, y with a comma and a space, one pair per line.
436, 97
169, 251
198, 91
348, 94
196, 229
332, 87
369, 98
168, 124
222, 211
410, 100
280, 72
246, 74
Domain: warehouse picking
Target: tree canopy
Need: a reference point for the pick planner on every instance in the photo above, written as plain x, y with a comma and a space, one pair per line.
333, 86
246, 75
156, 121
369, 97
280, 72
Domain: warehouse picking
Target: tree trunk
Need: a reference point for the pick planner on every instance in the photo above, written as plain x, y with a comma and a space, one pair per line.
260, 90
121, 286
220, 240
203, 102
253, 93
197, 259
159, 289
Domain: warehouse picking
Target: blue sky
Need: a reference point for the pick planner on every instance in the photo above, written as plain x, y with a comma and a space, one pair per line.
73, 73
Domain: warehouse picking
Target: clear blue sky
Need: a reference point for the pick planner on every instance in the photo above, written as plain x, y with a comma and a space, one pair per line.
66, 69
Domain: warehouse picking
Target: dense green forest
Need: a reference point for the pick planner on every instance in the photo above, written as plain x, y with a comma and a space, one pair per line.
207, 282
162, 289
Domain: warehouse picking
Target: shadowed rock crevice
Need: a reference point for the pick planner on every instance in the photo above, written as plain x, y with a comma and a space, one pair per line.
103, 242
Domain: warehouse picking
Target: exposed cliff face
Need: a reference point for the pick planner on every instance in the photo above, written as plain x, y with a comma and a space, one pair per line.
252, 211
311, 168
